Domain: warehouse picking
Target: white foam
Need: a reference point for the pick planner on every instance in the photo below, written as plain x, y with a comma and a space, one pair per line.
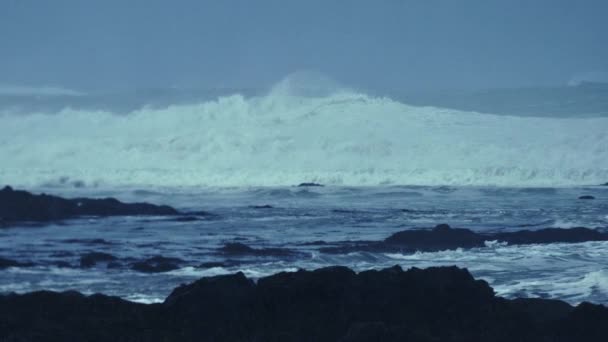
282, 139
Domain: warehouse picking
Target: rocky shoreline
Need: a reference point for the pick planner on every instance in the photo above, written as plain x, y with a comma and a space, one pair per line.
329, 304
18, 206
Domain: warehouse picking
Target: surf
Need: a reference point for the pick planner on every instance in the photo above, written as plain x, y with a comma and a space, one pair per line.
285, 137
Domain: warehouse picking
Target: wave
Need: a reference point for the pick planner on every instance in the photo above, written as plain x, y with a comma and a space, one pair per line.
337, 137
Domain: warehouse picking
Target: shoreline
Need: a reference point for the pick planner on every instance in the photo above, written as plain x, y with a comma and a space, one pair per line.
327, 304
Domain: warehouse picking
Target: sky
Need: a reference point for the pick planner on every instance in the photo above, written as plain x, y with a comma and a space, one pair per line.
390, 44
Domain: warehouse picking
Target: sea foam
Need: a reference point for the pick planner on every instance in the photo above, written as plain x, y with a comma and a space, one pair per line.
283, 138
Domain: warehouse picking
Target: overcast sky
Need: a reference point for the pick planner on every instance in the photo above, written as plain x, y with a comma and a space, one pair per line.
424, 44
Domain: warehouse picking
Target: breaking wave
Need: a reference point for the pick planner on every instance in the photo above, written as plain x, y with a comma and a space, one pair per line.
284, 138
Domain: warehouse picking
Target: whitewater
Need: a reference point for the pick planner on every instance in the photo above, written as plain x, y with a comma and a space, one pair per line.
284, 138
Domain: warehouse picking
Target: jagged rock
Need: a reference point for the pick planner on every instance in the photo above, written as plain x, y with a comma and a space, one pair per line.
330, 304
18, 205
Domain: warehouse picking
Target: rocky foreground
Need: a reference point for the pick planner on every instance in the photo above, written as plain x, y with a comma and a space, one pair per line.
330, 304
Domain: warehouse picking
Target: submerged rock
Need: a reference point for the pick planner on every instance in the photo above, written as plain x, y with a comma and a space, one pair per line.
157, 264
6, 263
329, 304
264, 206
237, 248
18, 206
310, 184
586, 197
93, 258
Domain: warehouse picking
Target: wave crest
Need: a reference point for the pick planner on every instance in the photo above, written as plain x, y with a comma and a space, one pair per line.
341, 137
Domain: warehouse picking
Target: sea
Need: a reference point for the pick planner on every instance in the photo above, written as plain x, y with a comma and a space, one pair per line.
387, 163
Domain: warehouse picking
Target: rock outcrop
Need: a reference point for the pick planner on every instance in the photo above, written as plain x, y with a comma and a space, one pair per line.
22, 206
444, 237
329, 304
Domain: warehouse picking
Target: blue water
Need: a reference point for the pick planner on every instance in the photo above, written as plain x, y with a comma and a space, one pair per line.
299, 216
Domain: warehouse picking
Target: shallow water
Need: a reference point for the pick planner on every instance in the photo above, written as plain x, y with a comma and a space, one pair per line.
299, 216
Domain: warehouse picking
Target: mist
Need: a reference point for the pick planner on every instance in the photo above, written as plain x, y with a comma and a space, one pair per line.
376, 46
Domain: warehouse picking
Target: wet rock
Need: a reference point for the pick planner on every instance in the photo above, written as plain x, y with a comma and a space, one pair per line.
313, 243
310, 184
89, 242
550, 235
224, 264
441, 237
329, 304
17, 205
237, 248
444, 237
93, 258
62, 264
586, 197
157, 264
6, 263
265, 206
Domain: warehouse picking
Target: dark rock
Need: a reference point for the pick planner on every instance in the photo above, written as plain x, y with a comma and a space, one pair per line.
93, 258
17, 205
62, 264
443, 237
6, 263
310, 184
157, 264
237, 248
89, 241
265, 206
586, 197
225, 263
313, 243
550, 235
330, 304
62, 254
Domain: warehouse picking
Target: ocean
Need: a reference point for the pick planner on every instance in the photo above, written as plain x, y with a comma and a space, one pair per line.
386, 166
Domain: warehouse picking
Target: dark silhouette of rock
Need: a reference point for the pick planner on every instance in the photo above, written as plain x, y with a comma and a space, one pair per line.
6, 263
586, 197
264, 206
102, 242
93, 258
439, 238
224, 263
17, 205
310, 184
157, 264
443, 237
550, 235
329, 304
237, 248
